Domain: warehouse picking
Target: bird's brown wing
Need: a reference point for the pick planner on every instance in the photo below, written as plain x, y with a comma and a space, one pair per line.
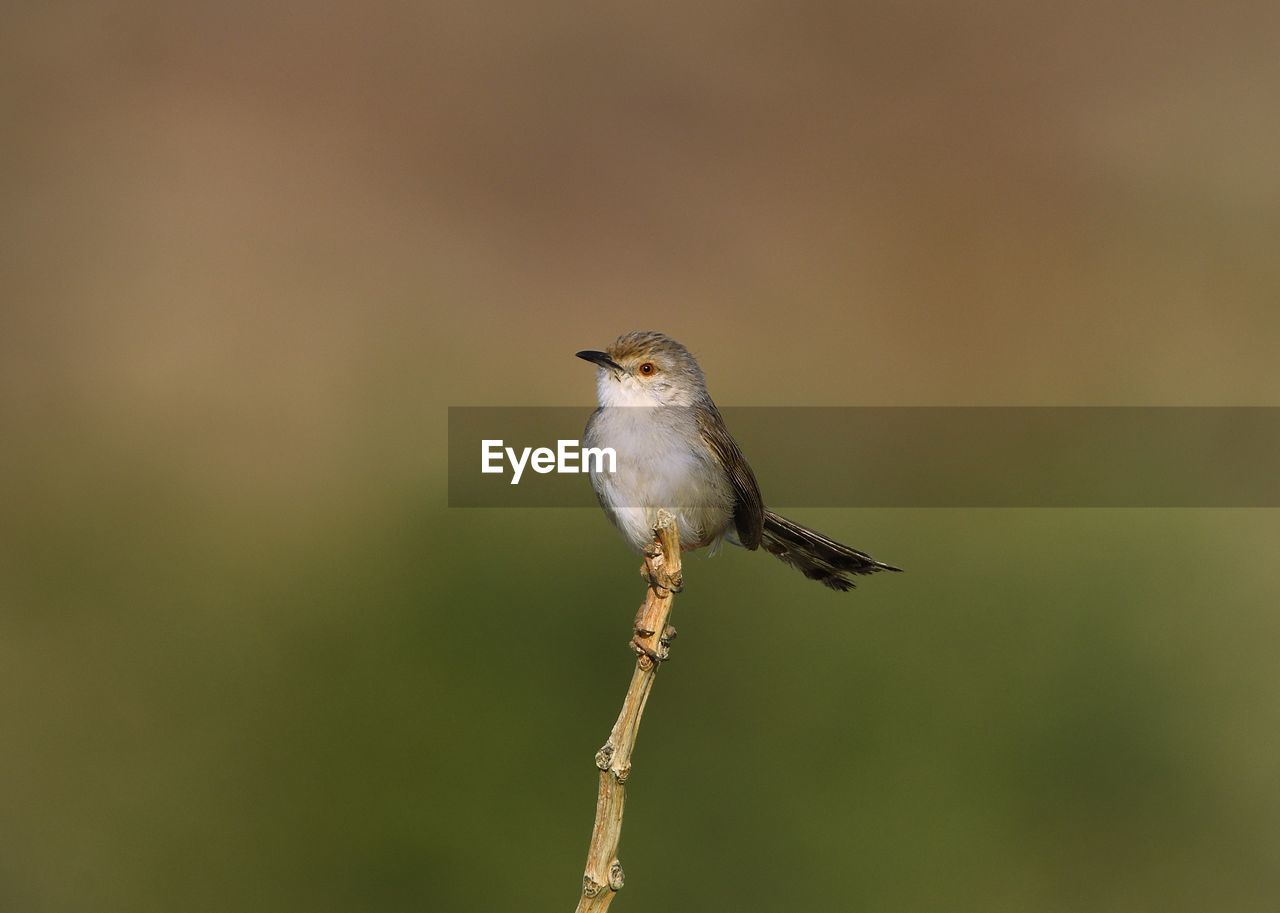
748, 510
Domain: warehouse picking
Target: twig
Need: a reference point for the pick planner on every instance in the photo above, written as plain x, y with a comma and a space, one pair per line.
652, 641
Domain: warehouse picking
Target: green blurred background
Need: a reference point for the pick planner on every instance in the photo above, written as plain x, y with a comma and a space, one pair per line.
249, 658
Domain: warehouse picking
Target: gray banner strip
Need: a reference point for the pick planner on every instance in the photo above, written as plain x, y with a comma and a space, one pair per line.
927, 456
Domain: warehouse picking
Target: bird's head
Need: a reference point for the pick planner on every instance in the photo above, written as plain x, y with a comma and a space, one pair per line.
646, 368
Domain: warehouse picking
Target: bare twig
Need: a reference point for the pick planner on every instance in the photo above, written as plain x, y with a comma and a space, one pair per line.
652, 640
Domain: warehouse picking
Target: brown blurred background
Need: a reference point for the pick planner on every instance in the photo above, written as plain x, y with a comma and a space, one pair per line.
250, 661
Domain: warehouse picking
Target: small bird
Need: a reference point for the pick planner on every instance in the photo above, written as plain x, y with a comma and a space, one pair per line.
675, 453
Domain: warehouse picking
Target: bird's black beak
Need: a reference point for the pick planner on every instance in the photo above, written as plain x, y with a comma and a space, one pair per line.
599, 358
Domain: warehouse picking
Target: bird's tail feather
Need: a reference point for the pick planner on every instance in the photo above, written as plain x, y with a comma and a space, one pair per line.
816, 556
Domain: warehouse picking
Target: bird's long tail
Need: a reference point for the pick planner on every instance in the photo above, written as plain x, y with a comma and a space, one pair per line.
816, 556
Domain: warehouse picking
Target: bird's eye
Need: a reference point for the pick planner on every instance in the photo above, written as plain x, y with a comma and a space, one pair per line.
647, 369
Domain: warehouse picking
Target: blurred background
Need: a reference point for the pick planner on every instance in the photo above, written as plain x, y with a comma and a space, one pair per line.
249, 658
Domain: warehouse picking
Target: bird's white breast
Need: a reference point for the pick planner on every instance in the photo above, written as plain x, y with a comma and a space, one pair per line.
662, 462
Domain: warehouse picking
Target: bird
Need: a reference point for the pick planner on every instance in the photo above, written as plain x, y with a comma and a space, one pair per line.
674, 452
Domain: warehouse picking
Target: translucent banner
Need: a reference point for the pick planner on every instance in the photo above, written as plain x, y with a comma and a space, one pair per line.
904, 456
